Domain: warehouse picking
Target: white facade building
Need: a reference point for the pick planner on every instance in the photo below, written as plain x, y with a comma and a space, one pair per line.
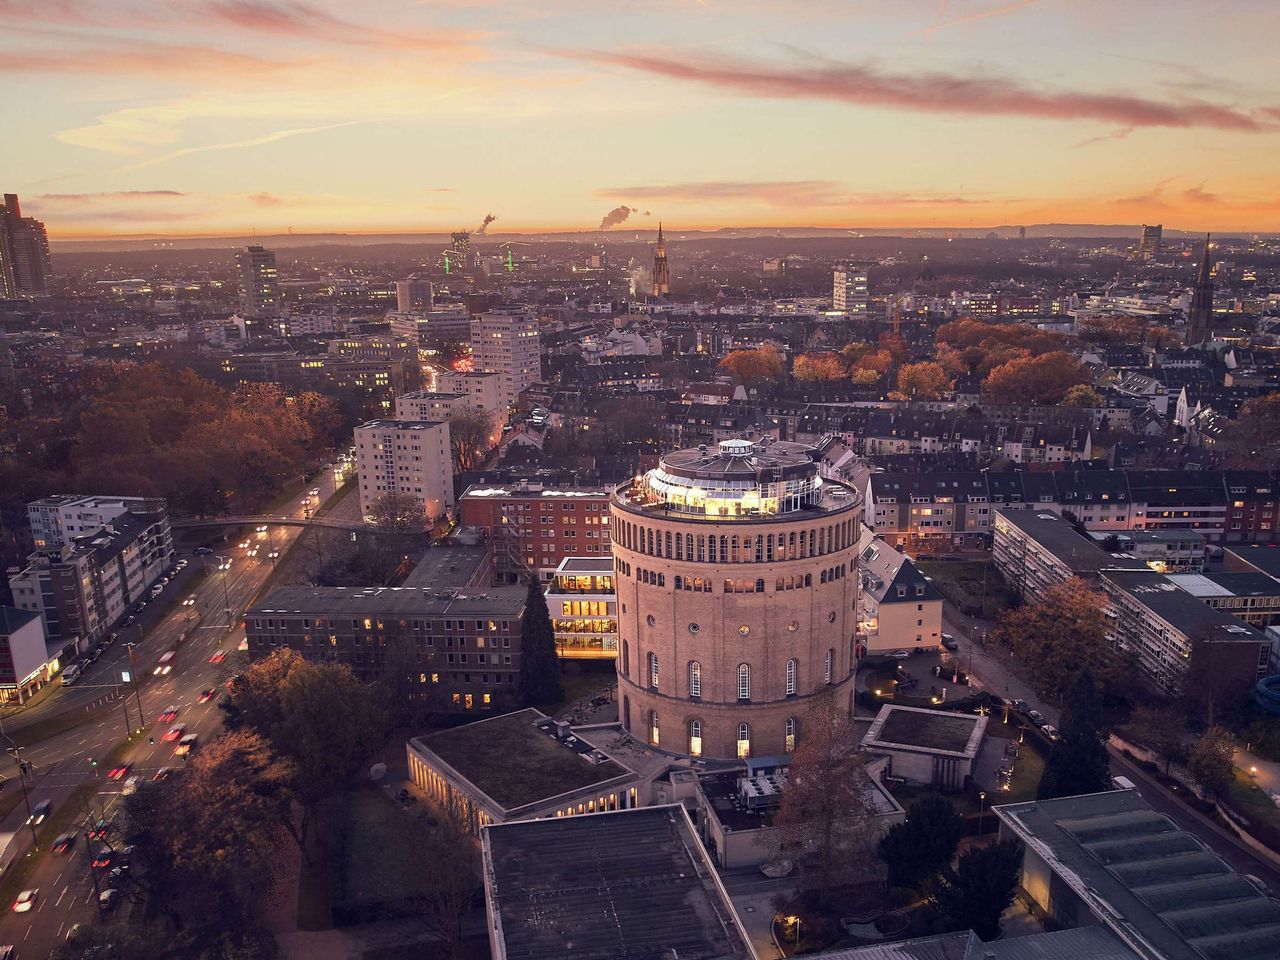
849, 292
405, 456
506, 341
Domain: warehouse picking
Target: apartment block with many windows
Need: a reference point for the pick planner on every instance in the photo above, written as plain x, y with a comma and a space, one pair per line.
405, 456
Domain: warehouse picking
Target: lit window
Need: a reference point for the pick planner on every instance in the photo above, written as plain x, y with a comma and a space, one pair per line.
654, 733
744, 741
789, 740
695, 738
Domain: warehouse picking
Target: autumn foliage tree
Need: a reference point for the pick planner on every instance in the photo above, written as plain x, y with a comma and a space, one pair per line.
1082, 395
1254, 439
923, 381
470, 436
1035, 380
1062, 630
819, 366
753, 368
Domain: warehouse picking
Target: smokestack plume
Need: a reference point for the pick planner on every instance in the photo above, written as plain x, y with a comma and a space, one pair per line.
614, 217
488, 219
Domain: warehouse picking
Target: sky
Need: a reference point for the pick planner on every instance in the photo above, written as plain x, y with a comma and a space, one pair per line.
222, 117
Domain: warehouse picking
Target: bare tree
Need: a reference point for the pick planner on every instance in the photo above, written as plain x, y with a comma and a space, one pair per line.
441, 872
470, 436
827, 820
397, 512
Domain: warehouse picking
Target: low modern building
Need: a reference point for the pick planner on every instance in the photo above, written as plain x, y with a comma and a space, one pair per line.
1251, 597
24, 660
519, 766
405, 456
931, 748
1035, 549
901, 610
465, 642
584, 608
1108, 859
632, 883
1165, 551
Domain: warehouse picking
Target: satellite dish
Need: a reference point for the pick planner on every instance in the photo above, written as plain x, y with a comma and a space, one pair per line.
377, 772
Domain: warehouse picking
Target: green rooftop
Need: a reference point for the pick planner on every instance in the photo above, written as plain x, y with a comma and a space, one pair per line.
516, 764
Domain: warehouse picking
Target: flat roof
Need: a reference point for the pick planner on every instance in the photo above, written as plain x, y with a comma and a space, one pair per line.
934, 731
1261, 556
1227, 584
586, 565
627, 885
334, 602
1147, 879
514, 763
1057, 536
447, 567
1163, 597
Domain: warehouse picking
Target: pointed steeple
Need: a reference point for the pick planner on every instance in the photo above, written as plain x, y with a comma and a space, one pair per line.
1204, 265
1200, 316
659, 231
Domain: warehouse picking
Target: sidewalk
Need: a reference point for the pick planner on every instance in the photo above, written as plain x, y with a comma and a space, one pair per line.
1266, 773
990, 665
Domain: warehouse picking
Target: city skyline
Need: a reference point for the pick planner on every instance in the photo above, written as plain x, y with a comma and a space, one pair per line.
222, 117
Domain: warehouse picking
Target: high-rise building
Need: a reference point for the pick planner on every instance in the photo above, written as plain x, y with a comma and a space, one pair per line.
24, 252
414, 293
661, 271
505, 341
1200, 315
259, 285
736, 572
849, 294
405, 456
1152, 237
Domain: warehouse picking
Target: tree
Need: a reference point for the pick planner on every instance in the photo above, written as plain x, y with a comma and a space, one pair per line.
470, 436
1034, 380
864, 378
819, 366
923, 381
923, 844
397, 512
1078, 762
437, 861
826, 822
1211, 760
253, 700
1082, 395
753, 368
539, 664
1254, 440
1160, 729
1062, 631
980, 888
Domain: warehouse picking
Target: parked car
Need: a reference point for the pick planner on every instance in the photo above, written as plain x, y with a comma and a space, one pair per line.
1019, 705
900, 654
1050, 731
949, 642
108, 899
203, 551
1036, 717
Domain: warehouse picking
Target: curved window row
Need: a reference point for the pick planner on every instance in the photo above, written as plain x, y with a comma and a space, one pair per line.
696, 584
705, 584
650, 577
725, 548
744, 677
742, 736
831, 574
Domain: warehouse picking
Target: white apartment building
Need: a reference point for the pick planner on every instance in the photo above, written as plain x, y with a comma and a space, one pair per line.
60, 519
406, 456
505, 341
425, 405
450, 321
484, 389
850, 294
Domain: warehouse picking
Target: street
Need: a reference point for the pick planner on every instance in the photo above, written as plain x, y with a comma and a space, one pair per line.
64, 761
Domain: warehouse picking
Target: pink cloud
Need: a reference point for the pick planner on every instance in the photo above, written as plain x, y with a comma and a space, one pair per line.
783, 193
935, 92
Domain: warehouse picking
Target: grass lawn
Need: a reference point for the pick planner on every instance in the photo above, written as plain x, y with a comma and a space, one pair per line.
962, 582
1250, 801
365, 873
907, 795
1027, 772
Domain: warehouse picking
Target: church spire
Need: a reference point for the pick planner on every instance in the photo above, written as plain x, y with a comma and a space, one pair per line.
661, 272
1200, 316
659, 231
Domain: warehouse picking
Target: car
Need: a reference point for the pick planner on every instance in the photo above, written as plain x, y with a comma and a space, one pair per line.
949, 642
108, 899
94, 654
131, 785
118, 773
26, 900
65, 841
262, 528
167, 715
244, 544
111, 638
186, 745
39, 812
181, 564
102, 859
203, 551
162, 774
140, 606
1036, 717
100, 829
157, 590
129, 619
164, 581
207, 695
273, 554
1019, 705
218, 656
1050, 731
175, 732
900, 654
315, 492
117, 876
190, 601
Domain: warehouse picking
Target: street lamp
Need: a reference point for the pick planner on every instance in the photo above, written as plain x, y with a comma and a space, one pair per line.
15, 751
224, 565
982, 809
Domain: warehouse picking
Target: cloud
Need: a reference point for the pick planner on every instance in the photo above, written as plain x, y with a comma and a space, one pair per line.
293, 18
779, 193
987, 14
1120, 134
934, 92
251, 142
83, 198
614, 217
1198, 195
134, 56
266, 200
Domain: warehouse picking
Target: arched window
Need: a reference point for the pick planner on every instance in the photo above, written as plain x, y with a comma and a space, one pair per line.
759, 586
695, 678
626, 658
653, 669
695, 738
679, 582
744, 681
831, 658
744, 741
789, 735
792, 666
654, 734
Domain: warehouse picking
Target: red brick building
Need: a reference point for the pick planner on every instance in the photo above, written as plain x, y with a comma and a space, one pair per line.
534, 527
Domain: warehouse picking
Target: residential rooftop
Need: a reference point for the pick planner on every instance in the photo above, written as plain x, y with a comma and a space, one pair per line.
1055, 534
935, 731
333, 602
1163, 597
1154, 885
451, 567
634, 884
515, 761
1094, 943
